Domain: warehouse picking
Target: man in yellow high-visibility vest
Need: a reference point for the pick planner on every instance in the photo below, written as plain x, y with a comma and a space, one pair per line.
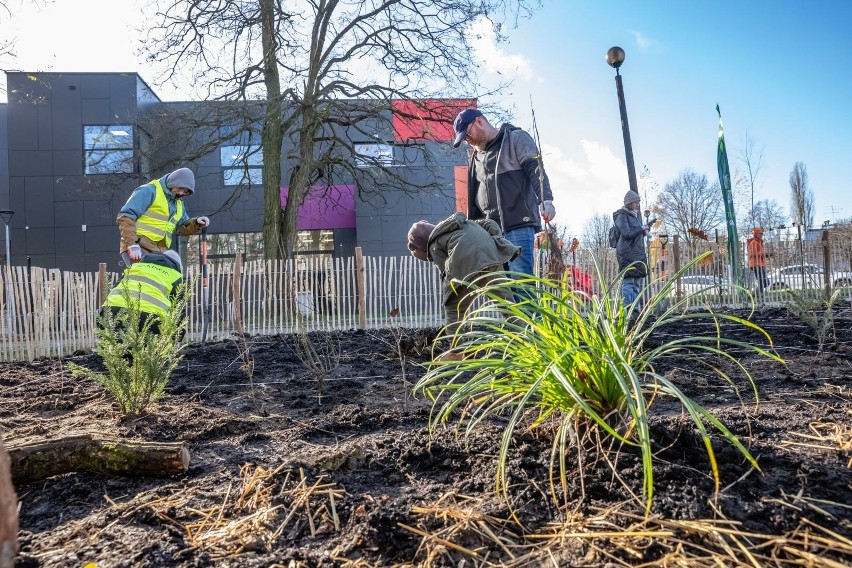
154, 283
154, 212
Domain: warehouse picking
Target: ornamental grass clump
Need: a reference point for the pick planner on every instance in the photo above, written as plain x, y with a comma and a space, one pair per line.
583, 362
138, 359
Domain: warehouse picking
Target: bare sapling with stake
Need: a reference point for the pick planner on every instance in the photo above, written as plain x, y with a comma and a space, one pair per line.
401, 351
319, 353
551, 263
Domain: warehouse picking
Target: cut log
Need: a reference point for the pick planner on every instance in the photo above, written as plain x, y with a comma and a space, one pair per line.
35, 461
8, 513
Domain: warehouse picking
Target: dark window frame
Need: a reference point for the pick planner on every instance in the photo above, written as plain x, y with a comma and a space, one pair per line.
244, 166
374, 154
105, 152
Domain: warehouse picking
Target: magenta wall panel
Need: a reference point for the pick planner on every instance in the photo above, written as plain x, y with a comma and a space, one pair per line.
325, 207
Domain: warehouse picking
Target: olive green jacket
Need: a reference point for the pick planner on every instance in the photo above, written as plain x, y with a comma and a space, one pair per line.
461, 247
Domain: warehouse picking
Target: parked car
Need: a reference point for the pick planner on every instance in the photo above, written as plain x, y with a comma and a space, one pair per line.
799, 276
702, 284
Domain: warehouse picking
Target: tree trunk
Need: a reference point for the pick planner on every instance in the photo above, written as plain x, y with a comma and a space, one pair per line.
272, 134
8, 513
32, 462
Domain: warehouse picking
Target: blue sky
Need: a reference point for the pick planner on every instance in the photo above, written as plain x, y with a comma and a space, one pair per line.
776, 68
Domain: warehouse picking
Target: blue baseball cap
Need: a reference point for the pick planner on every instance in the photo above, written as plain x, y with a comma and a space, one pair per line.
461, 123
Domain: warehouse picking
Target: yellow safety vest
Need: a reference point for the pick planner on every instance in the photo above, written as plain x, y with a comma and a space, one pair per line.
150, 284
155, 223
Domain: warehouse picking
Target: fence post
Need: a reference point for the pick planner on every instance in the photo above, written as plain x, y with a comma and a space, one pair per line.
676, 261
238, 308
826, 263
360, 279
102, 291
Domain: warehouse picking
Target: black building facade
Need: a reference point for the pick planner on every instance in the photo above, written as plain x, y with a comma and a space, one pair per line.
73, 146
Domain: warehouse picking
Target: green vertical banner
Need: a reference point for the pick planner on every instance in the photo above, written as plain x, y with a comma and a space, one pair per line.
728, 198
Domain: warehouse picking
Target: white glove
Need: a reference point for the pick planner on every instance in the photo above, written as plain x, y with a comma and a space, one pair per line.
134, 252
203, 221
548, 211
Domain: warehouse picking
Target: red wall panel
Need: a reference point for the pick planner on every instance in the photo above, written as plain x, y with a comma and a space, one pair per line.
427, 119
460, 178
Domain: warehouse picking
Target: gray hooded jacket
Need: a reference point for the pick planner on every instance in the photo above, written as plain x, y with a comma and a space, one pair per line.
511, 194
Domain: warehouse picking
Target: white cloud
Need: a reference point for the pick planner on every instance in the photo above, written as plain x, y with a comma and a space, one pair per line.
604, 166
560, 166
644, 42
491, 57
590, 184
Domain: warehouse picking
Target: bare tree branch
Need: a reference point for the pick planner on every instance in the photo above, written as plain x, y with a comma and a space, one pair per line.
752, 158
326, 52
596, 231
768, 214
690, 202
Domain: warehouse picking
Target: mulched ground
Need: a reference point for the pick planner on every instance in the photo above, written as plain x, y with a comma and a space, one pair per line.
281, 476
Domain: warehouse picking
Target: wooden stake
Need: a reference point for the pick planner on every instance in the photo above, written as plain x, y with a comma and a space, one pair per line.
362, 288
8, 513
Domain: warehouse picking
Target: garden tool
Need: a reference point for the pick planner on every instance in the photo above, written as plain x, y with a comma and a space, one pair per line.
205, 288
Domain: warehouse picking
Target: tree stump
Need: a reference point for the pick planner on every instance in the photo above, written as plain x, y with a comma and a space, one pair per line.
8, 513
34, 461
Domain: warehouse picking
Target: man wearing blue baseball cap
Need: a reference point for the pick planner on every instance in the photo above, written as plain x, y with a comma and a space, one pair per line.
506, 182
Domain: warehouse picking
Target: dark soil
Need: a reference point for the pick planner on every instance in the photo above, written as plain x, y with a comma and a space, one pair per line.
266, 449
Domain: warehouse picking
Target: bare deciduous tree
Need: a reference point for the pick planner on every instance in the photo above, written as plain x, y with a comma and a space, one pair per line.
751, 157
648, 185
768, 214
801, 196
691, 202
327, 72
596, 231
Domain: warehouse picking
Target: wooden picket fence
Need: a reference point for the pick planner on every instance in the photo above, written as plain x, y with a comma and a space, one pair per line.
48, 312
314, 294
52, 313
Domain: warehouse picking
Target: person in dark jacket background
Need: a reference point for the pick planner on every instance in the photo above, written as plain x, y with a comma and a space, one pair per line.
463, 250
506, 182
630, 248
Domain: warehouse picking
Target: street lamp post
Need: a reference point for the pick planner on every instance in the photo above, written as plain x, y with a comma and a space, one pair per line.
615, 57
6, 215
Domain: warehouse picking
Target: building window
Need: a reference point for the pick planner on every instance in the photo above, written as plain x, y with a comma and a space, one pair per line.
221, 248
314, 242
108, 149
241, 165
371, 155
